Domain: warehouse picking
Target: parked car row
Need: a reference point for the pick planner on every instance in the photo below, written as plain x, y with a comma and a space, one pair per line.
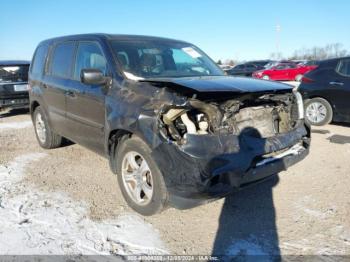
273, 70
247, 69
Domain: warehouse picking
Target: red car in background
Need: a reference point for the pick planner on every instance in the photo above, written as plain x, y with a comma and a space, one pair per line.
285, 71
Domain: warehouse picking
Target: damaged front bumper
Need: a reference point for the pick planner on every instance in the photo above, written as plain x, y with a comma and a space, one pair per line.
208, 167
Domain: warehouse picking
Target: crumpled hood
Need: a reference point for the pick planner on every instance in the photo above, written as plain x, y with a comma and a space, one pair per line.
222, 84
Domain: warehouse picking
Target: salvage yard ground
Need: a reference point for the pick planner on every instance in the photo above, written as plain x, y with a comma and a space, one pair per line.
66, 201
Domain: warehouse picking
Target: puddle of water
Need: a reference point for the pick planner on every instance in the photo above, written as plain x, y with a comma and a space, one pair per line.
339, 139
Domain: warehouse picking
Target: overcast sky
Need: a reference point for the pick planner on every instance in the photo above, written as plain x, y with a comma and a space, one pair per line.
240, 30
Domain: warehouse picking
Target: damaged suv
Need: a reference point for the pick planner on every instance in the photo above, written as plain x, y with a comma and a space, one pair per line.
176, 130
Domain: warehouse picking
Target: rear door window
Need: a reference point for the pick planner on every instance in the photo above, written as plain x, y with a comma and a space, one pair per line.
89, 55
61, 60
343, 67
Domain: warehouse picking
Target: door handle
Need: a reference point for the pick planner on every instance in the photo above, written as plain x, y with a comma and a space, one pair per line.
336, 83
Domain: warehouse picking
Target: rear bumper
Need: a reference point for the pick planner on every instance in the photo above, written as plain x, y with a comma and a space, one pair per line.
207, 168
14, 103
9, 98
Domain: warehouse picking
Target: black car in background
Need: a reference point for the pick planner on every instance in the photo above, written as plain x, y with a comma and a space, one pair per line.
261, 63
248, 68
326, 91
14, 84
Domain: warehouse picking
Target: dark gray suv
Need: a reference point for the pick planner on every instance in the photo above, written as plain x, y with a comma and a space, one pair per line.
176, 130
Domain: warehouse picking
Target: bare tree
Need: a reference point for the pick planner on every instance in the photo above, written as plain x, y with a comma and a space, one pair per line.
276, 56
319, 53
230, 62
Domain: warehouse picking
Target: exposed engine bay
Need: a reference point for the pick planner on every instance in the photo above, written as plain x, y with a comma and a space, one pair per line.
263, 116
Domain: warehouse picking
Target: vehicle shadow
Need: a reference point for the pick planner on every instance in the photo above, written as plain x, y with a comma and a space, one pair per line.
14, 112
247, 223
344, 124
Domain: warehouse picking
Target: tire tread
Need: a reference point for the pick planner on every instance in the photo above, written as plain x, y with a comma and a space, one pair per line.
53, 140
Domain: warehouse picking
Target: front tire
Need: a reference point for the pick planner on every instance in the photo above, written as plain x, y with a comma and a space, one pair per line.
139, 177
318, 111
46, 137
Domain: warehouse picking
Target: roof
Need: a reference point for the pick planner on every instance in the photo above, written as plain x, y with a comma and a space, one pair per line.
335, 59
14, 62
103, 36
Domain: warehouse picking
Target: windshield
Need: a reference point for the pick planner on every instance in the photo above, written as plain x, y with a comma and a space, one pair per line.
158, 59
13, 73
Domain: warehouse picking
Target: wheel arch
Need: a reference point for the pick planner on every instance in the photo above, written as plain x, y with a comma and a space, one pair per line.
33, 105
114, 138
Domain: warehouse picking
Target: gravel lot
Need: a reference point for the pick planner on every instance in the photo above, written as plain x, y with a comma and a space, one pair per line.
305, 210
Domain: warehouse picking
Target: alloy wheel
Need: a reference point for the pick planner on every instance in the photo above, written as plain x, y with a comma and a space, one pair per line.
316, 112
137, 178
40, 128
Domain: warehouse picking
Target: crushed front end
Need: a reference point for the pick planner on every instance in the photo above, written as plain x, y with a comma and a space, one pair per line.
215, 146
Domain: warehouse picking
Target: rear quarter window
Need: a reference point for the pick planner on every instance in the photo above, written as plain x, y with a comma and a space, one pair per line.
61, 60
343, 67
38, 63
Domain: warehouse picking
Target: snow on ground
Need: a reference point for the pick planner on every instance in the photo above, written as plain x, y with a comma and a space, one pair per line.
37, 222
247, 249
15, 125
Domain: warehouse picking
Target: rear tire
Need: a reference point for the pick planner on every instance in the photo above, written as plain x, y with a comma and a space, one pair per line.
46, 137
318, 112
137, 169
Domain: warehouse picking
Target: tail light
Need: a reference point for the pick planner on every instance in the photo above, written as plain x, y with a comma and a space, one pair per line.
306, 80
313, 67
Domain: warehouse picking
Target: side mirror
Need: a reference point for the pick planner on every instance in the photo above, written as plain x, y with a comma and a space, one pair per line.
92, 76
